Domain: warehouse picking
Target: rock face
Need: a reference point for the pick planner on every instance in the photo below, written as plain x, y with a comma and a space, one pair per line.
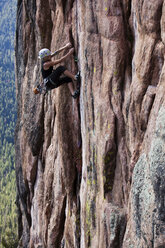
108, 192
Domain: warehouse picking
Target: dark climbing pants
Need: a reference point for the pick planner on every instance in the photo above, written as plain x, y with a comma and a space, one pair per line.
55, 79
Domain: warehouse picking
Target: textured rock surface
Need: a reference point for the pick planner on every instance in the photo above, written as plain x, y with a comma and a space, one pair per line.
110, 192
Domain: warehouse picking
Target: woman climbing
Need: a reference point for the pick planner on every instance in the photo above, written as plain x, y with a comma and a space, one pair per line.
52, 78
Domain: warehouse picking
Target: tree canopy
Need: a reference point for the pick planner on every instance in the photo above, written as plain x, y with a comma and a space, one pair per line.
8, 215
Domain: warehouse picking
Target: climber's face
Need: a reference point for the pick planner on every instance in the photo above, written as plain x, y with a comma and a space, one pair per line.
47, 58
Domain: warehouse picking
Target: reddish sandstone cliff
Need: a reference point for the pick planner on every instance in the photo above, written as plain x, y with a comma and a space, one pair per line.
110, 191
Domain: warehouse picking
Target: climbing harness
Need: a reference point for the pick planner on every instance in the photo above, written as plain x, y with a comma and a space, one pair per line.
41, 88
48, 79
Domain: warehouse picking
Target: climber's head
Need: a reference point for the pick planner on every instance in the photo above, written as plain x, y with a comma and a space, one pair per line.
44, 54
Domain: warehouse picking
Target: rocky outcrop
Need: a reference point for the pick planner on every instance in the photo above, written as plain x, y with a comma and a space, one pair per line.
109, 191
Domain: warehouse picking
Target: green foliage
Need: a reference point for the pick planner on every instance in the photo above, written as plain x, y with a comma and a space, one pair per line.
10, 240
8, 215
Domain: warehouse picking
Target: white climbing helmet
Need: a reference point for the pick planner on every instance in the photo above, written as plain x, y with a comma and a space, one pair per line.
44, 53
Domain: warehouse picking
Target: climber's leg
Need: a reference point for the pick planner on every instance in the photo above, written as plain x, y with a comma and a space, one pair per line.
62, 70
55, 80
69, 74
70, 86
55, 75
68, 80
74, 93
75, 78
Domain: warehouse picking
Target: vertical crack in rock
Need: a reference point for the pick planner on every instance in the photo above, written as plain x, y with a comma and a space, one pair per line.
109, 170
57, 241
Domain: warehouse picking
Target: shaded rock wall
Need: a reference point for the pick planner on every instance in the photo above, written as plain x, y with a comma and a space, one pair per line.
110, 191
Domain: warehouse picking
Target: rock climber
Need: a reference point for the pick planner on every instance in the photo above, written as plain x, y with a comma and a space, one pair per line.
52, 78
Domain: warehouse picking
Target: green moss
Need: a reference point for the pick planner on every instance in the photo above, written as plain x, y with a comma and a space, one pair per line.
115, 73
93, 182
89, 182
88, 220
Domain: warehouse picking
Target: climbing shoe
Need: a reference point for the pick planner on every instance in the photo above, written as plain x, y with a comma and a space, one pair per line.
76, 94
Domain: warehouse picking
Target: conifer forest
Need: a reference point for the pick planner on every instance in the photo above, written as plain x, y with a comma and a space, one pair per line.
8, 215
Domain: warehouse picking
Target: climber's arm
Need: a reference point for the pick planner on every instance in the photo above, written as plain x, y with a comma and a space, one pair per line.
64, 57
68, 45
48, 64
